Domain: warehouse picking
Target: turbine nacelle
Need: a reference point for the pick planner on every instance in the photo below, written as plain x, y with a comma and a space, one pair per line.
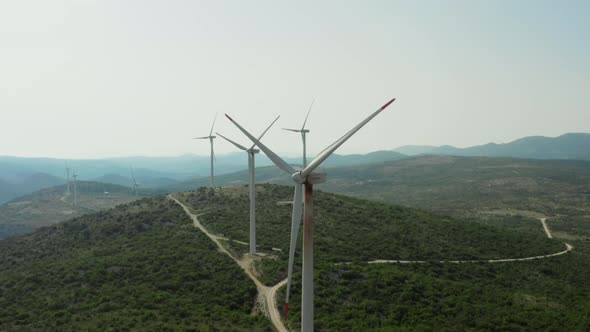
297, 130
313, 178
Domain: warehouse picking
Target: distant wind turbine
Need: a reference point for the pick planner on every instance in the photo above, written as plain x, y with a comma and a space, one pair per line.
134, 184
307, 178
210, 138
303, 132
67, 177
75, 176
251, 184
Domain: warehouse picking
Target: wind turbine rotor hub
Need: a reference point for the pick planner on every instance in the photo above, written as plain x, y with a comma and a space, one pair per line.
298, 178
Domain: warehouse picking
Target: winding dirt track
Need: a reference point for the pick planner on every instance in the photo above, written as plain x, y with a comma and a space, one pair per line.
546, 228
568, 248
266, 294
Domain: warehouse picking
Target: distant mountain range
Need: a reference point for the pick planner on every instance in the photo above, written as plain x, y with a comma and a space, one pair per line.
20, 185
19, 176
568, 146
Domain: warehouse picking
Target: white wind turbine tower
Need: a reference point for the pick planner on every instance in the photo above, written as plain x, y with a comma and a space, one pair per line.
67, 177
135, 184
251, 184
307, 178
210, 138
75, 177
303, 132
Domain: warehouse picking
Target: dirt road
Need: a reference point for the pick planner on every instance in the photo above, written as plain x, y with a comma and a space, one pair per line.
267, 295
568, 248
547, 231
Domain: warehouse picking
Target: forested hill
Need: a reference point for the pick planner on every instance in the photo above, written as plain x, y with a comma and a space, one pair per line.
144, 266
540, 295
141, 267
349, 229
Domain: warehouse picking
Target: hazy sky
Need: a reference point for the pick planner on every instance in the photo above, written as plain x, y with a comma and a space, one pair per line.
82, 79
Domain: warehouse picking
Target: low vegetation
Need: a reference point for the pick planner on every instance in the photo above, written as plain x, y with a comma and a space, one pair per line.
549, 294
348, 229
544, 295
142, 267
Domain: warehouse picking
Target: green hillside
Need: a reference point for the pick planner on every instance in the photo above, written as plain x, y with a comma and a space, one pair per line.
454, 185
349, 229
543, 295
503, 191
144, 266
535, 295
140, 267
461, 185
52, 205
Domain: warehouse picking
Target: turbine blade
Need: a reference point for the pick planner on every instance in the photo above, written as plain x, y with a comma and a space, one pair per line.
310, 106
327, 152
293, 130
264, 132
295, 223
203, 137
271, 155
232, 142
213, 125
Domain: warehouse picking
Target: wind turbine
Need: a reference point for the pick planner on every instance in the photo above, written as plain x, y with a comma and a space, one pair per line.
252, 183
67, 177
75, 176
211, 138
307, 178
303, 132
135, 185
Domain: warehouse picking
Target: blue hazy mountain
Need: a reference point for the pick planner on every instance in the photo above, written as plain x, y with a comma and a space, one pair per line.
20, 176
574, 146
24, 183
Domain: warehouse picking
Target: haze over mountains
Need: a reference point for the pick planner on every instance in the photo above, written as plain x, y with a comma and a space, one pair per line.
19, 175
567, 146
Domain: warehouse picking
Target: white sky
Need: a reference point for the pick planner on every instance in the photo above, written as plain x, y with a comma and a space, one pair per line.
83, 79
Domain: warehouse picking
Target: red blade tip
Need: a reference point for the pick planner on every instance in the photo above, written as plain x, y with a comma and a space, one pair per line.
389, 102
